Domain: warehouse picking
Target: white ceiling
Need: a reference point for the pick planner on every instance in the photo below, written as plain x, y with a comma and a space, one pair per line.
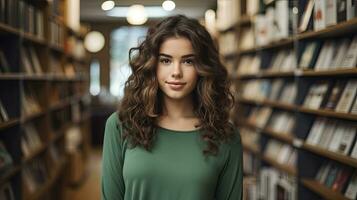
91, 10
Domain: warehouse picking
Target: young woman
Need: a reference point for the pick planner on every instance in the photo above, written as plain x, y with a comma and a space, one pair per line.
171, 138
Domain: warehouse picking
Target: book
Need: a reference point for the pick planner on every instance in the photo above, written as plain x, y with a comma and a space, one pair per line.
309, 55
335, 95
351, 7
341, 10
316, 95
5, 159
341, 179
351, 191
350, 59
35, 61
319, 15
323, 172
316, 131
6, 192
354, 107
4, 64
340, 52
348, 132
328, 133
3, 113
348, 95
307, 15
325, 56
331, 9
331, 177
281, 20
25, 61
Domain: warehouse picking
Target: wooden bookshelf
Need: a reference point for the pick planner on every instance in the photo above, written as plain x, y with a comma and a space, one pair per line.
285, 168
322, 190
310, 157
53, 119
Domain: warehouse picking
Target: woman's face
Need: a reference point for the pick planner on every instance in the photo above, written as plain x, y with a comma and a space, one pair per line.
176, 70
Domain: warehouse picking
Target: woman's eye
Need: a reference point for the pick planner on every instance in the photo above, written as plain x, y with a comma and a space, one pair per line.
165, 61
189, 61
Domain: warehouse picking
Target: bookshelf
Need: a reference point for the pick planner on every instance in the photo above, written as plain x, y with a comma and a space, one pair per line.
301, 75
44, 84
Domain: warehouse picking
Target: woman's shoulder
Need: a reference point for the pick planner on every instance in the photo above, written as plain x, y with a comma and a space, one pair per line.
113, 123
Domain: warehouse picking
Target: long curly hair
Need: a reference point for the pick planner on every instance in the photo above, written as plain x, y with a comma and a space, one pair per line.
142, 101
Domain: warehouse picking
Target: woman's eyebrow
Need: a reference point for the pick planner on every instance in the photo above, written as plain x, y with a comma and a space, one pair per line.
184, 56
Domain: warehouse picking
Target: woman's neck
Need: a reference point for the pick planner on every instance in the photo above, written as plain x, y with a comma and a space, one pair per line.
178, 109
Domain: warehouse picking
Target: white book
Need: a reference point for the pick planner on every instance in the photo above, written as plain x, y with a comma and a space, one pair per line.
354, 107
351, 191
308, 12
325, 56
289, 63
282, 19
25, 61
348, 137
351, 7
354, 151
347, 97
35, 61
320, 15
331, 9
341, 52
316, 131
337, 137
328, 133
275, 89
318, 96
284, 154
350, 59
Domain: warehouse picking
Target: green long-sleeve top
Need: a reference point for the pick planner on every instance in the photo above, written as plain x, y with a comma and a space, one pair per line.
175, 169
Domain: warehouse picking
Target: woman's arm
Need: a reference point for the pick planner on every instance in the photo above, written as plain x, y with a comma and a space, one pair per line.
112, 183
230, 183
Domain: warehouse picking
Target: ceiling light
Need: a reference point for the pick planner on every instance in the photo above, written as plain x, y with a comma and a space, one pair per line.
94, 41
136, 15
108, 5
151, 11
168, 5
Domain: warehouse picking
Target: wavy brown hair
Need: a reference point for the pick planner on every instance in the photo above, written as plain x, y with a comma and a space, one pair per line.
142, 101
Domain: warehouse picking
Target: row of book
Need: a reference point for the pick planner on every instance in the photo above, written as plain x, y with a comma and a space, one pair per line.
269, 89
339, 96
250, 164
23, 15
276, 185
6, 159
315, 55
281, 152
35, 175
338, 178
30, 60
319, 14
4, 116
57, 32
30, 140
329, 54
30, 103
75, 47
334, 135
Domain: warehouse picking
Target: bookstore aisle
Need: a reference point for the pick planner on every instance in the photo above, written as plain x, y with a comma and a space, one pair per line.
293, 65
44, 100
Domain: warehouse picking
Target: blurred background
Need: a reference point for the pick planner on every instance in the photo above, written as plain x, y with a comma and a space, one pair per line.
292, 64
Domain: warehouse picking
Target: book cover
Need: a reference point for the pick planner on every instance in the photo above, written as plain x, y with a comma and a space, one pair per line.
331, 9
341, 10
319, 15
351, 191
335, 95
350, 58
4, 64
310, 54
345, 102
306, 17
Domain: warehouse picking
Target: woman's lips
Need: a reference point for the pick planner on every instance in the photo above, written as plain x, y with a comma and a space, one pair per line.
176, 85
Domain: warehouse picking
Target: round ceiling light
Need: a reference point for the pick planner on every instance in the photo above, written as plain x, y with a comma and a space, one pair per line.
94, 41
136, 15
108, 5
168, 5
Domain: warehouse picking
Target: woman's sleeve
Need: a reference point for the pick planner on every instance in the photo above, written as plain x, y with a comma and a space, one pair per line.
230, 183
112, 183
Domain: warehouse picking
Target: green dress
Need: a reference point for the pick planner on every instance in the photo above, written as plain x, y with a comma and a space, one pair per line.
175, 169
